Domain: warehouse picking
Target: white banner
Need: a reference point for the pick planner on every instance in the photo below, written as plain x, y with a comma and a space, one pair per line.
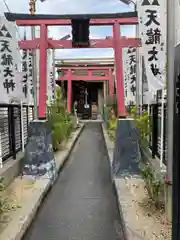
38, 73
53, 85
125, 75
50, 84
152, 27
30, 78
146, 93
129, 66
11, 79
27, 85
50, 78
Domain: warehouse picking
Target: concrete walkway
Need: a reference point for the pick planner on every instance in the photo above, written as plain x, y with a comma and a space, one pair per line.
82, 204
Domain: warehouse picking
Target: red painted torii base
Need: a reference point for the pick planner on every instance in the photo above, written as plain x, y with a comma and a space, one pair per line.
117, 42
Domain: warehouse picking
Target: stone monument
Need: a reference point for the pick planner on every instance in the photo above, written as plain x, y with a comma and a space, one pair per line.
39, 158
126, 152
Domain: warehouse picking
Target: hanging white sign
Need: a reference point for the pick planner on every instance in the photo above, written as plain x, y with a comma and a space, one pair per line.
50, 78
38, 73
125, 75
129, 66
27, 86
10, 86
148, 92
152, 27
131, 52
52, 84
145, 97
53, 78
30, 86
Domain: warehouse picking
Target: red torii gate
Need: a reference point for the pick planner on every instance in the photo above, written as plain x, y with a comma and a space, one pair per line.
69, 77
43, 43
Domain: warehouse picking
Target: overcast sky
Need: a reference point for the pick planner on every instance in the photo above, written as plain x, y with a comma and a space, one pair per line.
75, 7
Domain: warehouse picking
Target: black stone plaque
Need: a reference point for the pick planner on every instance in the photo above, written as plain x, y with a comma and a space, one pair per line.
39, 158
126, 152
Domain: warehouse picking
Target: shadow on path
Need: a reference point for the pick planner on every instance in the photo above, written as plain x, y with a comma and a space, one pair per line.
82, 203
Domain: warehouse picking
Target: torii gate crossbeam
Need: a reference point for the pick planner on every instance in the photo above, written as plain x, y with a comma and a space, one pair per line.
117, 43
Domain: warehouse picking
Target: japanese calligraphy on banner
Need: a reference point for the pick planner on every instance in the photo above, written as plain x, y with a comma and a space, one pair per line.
131, 52
53, 85
32, 90
129, 66
30, 78
38, 73
50, 78
10, 78
125, 75
152, 27
145, 93
53, 78
27, 86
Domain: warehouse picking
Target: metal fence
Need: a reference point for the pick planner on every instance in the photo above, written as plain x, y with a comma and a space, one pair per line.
14, 121
157, 139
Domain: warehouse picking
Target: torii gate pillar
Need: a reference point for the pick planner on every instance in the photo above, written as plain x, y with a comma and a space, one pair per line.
119, 70
111, 84
126, 156
43, 72
69, 91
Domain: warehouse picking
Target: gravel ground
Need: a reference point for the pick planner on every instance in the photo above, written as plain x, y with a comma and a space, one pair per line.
14, 195
152, 222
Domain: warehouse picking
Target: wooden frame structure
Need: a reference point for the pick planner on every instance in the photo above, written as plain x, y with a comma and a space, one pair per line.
69, 76
43, 43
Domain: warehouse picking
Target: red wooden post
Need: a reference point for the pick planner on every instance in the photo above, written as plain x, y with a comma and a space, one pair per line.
119, 70
111, 85
43, 72
89, 73
69, 91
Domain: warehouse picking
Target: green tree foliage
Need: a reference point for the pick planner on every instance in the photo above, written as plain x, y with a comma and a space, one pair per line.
60, 120
111, 103
111, 127
143, 125
153, 184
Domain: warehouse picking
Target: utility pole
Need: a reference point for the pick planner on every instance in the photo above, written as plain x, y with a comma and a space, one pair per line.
173, 119
170, 81
138, 90
32, 9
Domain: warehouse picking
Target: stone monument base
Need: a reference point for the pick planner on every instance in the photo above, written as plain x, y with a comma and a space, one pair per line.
39, 158
126, 152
